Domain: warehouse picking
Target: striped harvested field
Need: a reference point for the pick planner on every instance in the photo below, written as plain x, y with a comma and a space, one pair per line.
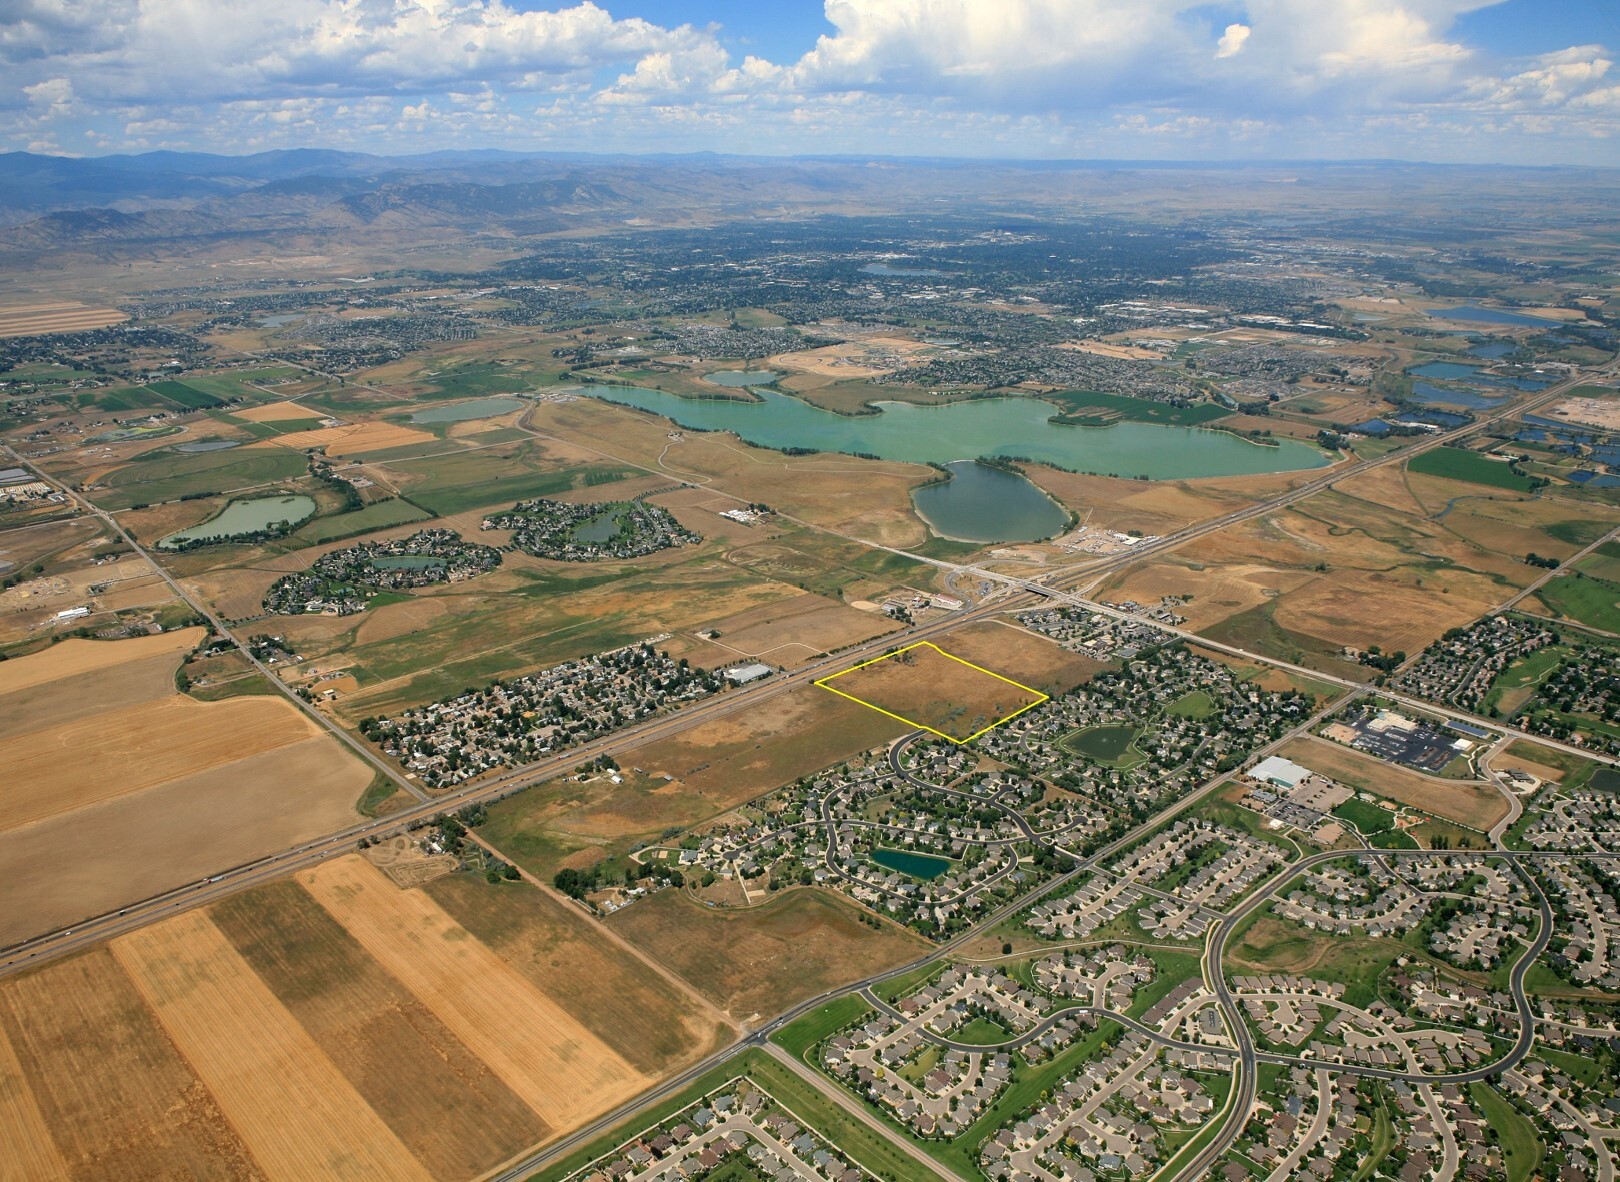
331, 1025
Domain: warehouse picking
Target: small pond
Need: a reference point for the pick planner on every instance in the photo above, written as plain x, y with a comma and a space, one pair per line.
206, 445
460, 412
923, 866
600, 528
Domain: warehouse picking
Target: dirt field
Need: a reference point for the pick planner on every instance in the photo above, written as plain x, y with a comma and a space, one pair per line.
759, 962
64, 768
746, 754
72, 657
95, 860
1475, 805
196, 787
280, 1091
276, 412
792, 631
26, 320
1021, 655
351, 439
533, 1045
927, 686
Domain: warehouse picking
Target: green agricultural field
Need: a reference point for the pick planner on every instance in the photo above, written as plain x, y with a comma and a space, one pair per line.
167, 476
1089, 407
1455, 463
1586, 600
379, 515
186, 396
456, 483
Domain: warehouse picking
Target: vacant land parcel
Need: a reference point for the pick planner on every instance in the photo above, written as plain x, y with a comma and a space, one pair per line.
927, 687
122, 788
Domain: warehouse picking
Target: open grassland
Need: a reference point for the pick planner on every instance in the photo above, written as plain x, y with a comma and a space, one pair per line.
500, 476
1156, 506
1272, 945
1295, 584
791, 631
655, 1023
926, 686
280, 1091
829, 566
121, 787
758, 962
1469, 803
119, 1099
528, 615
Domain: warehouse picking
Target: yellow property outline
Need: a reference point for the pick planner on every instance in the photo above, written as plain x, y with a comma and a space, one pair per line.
1039, 697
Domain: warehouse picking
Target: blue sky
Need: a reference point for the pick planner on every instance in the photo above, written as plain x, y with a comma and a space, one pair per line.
1519, 81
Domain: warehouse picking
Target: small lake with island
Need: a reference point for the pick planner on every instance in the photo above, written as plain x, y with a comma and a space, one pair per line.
983, 505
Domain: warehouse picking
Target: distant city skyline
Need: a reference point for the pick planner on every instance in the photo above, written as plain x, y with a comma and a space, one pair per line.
1467, 81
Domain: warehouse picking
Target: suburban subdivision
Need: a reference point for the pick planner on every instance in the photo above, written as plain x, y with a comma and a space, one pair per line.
842, 688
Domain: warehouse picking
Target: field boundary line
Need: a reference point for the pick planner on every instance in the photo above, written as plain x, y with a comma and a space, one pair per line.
1040, 697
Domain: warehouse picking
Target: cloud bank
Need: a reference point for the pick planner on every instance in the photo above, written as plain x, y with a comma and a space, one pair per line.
1056, 78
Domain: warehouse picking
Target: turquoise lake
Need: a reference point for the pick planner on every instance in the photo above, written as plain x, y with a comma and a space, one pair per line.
246, 517
923, 866
1016, 427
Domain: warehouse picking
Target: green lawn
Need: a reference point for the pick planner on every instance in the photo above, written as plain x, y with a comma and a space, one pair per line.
1197, 704
1521, 1148
1455, 463
1368, 818
982, 1032
1585, 600
798, 1036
